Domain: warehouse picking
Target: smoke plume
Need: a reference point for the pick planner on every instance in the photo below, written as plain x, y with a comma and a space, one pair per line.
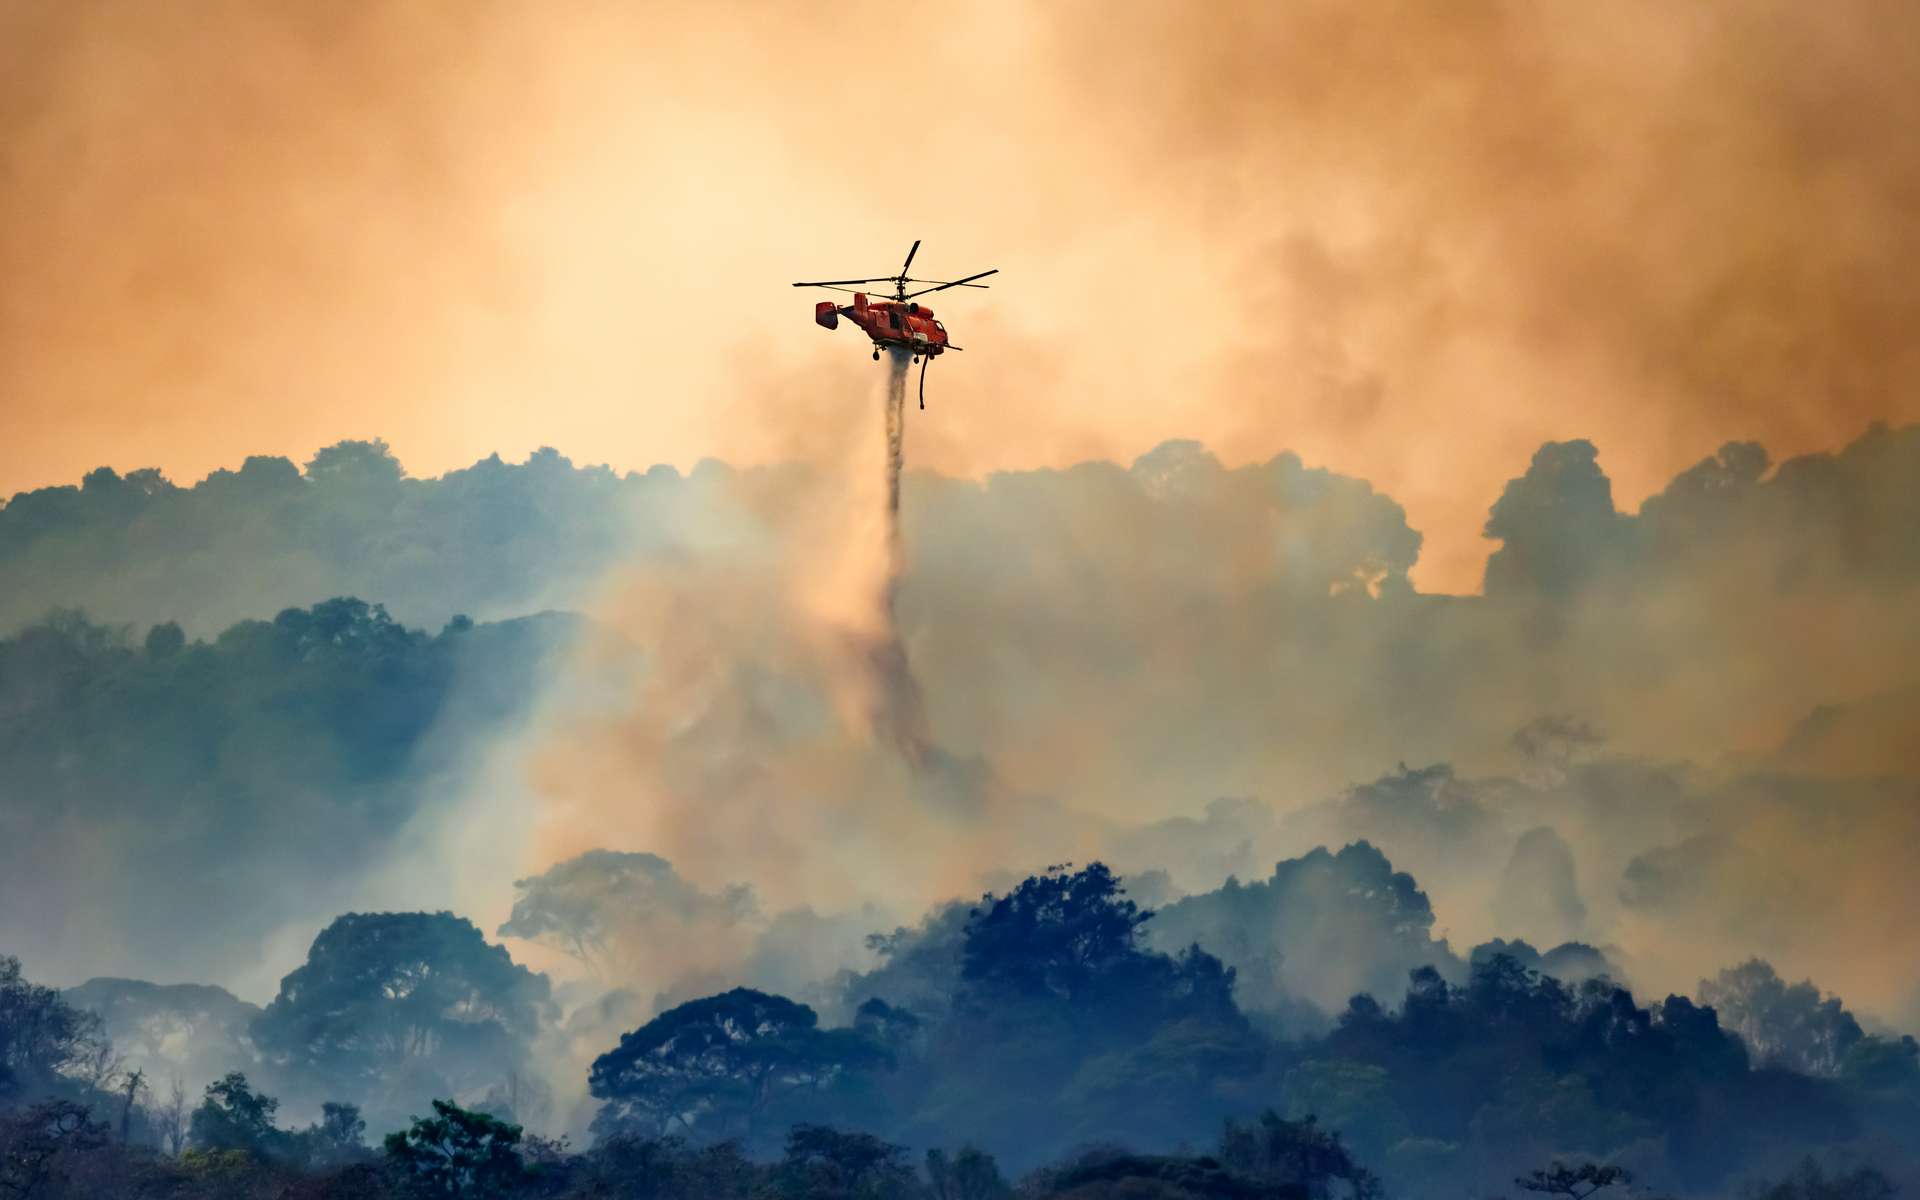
773, 726
1402, 240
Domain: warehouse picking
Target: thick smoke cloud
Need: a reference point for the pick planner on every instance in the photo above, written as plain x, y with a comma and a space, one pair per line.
188, 1033
1623, 223
730, 753
1662, 864
1103, 646
1406, 241
1106, 653
1430, 251
1539, 892
621, 914
1321, 928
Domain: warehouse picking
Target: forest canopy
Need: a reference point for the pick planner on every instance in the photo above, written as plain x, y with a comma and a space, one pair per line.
1379, 893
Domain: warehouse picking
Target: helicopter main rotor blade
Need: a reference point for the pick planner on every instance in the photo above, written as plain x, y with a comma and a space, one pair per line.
909, 263
978, 285
957, 283
835, 282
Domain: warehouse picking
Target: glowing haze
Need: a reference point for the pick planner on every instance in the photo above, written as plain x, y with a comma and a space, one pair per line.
1410, 242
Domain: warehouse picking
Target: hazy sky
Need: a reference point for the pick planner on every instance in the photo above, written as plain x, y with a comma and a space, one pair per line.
1408, 241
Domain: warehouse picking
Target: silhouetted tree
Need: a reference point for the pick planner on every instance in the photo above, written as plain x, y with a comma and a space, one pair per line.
1110, 1174
1788, 1024
355, 466
34, 1140
1276, 1150
1557, 525
170, 1116
1325, 926
828, 1164
1053, 935
233, 1116
1884, 1064
969, 1174
711, 1067
165, 640
379, 990
594, 905
47, 1046
132, 1087
456, 1154
1573, 1182
341, 1132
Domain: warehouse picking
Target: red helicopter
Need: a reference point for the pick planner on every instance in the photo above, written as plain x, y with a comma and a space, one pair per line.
898, 322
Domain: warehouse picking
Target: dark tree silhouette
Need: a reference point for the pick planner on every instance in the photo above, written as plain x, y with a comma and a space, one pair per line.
341, 1132
355, 466
382, 989
1573, 1182
33, 1141
1053, 935
1301, 1153
828, 1164
711, 1067
968, 1174
1557, 524
233, 1116
46, 1044
457, 1155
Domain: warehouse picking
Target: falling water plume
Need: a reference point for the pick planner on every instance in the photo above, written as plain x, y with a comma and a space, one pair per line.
901, 714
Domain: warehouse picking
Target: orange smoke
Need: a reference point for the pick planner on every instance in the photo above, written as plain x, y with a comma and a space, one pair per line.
1408, 241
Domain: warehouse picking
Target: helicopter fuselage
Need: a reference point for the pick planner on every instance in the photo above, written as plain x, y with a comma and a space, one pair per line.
906, 324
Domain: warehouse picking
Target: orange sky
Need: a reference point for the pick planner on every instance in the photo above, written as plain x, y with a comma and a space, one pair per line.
1409, 241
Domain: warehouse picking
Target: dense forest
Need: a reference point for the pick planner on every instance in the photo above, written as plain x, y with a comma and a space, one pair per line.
265, 928
1037, 596
1038, 1022
241, 779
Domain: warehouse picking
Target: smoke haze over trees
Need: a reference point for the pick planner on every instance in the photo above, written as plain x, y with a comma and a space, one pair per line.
492, 540
242, 779
1473, 881
1390, 670
1108, 639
